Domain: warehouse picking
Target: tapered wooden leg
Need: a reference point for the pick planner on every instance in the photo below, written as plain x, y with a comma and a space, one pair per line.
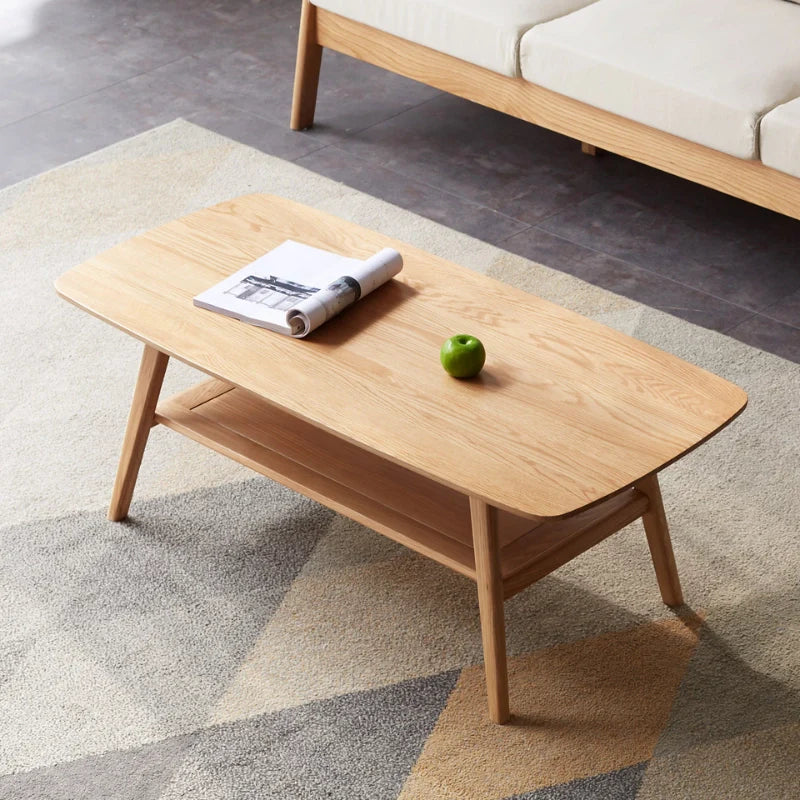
655, 526
140, 420
588, 149
490, 600
306, 74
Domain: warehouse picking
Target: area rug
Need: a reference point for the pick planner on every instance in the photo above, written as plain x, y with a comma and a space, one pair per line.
233, 639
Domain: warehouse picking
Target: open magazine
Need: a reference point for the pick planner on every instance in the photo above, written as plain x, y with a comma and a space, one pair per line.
294, 288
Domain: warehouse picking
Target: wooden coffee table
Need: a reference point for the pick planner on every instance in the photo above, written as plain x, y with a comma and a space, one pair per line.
503, 478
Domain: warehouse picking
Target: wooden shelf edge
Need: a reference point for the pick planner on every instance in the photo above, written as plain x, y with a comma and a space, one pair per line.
176, 413
552, 544
526, 557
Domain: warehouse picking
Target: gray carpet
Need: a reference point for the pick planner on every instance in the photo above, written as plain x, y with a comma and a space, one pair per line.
233, 639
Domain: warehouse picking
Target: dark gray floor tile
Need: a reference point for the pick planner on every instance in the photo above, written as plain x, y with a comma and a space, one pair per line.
719, 217
237, 79
770, 335
67, 33
75, 35
345, 83
30, 86
284, 9
250, 64
255, 70
46, 140
45, 23
76, 53
487, 157
252, 130
546, 248
684, 199
416, 196
82, 126
742, 267
658, 292
212, 84
194, 25
786, 310
627, 279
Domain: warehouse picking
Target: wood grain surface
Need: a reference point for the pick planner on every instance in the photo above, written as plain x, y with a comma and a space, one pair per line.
490, 601
140, 419
376, 492
565, 413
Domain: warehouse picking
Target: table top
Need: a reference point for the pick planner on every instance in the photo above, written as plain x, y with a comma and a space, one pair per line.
565, 413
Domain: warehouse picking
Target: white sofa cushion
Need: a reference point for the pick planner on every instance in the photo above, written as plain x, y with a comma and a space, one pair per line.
780, 138
705, 70
483, 32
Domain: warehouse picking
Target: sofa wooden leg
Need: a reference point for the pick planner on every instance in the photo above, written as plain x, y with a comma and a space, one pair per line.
589, 149
306, 75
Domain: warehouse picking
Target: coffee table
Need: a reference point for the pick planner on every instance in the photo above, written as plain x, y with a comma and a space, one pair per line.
503, 478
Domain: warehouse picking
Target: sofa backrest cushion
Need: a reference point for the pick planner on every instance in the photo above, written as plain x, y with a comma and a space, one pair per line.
780, 137
483, 32
704, 70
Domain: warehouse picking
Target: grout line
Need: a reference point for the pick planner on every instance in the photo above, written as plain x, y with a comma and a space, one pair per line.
301, 135
350, 131
594, 250
763, 312
726, 330
312, 152
93, 92
565, 207
196, 119
398, 114
438, 189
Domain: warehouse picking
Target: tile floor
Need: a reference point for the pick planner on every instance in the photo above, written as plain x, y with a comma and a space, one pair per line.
77, 75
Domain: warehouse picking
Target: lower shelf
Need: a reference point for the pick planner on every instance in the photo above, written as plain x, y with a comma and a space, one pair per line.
403, 505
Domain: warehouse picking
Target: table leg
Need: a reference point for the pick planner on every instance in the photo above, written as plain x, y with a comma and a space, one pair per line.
657, 530
140, 420
490, 600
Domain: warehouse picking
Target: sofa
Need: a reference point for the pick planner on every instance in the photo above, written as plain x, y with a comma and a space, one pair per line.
708, 90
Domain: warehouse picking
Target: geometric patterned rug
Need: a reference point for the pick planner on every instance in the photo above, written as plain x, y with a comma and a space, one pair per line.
233, 639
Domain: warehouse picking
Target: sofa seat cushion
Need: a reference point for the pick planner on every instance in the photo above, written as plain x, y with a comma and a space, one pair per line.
705, 70
483, 32
780, 138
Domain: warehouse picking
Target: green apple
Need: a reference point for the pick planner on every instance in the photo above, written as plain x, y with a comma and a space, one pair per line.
462, 356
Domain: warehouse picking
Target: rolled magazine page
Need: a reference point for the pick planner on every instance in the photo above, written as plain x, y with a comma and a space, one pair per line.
365, 276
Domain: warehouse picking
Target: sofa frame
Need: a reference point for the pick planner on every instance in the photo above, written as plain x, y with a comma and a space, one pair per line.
594, 128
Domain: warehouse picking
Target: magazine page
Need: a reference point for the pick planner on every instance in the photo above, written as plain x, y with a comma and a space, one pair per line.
294, 288
363, 276
263, 291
